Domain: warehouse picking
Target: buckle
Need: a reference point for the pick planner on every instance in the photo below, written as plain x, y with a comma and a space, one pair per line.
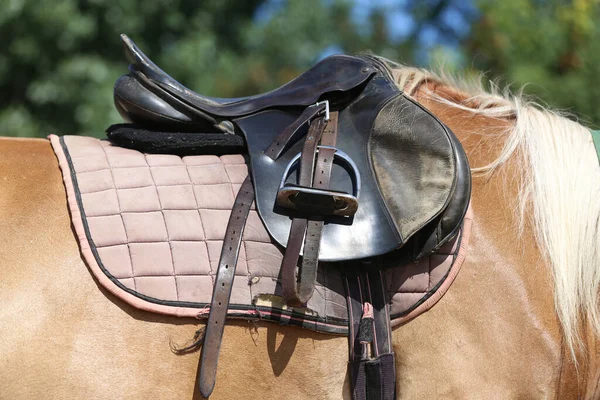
326, 102
322, 202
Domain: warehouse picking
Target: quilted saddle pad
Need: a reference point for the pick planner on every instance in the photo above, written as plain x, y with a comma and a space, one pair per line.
151, 226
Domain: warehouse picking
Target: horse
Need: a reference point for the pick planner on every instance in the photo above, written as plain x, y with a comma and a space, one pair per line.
520, 321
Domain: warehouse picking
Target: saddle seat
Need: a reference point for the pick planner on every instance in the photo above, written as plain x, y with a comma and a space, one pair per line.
178, 106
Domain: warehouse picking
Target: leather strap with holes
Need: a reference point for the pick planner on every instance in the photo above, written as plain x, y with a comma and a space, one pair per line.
297, 292
298, 228
222, 289
307, 276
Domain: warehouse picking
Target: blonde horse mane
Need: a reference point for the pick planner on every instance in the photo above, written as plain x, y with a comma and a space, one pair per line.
560, 183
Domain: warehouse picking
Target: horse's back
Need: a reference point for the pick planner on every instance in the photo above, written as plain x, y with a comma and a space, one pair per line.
493, 335
62, 336
65, 337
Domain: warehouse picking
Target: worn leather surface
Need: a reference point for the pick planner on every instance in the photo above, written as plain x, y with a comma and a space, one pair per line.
408, 171
135, 93
413, 161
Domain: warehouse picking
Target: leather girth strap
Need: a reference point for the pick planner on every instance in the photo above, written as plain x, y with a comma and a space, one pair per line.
222, 289
308, 231
371, 359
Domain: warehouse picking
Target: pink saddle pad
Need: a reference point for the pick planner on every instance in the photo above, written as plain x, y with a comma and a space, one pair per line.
151, 228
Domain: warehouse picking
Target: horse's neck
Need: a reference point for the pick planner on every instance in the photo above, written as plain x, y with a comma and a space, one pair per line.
496, 229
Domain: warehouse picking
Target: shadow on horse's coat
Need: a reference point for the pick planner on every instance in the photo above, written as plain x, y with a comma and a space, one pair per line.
495, 334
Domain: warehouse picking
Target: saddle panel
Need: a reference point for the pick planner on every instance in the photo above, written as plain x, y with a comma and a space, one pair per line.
162, 96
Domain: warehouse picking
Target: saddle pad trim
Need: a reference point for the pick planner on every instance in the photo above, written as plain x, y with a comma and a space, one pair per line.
438, 292
269, 310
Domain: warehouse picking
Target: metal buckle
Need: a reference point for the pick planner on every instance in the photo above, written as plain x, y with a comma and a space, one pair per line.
326, 102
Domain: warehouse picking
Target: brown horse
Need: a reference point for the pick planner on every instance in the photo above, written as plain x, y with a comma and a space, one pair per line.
521, 320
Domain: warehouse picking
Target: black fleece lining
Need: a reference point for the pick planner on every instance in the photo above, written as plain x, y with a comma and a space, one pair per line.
141, 139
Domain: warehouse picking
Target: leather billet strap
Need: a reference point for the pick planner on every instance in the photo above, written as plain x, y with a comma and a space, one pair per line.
233, 236
315, 171
222, 288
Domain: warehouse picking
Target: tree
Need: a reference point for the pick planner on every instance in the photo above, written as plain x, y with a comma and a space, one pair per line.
555, 45
60, 59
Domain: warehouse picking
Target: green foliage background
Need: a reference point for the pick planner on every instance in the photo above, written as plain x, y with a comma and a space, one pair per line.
59, 59
552, 47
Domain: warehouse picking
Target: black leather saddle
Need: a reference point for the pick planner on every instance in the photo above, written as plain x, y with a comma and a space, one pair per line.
343, 167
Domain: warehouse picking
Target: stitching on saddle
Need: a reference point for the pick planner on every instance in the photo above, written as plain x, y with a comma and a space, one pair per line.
387, 311
158, 186
175, 241
220, 159
121, 215
151, 166
157, 210
350, 317
168, 276
370, 299
325, 291
96, 191
429, 274
162, 212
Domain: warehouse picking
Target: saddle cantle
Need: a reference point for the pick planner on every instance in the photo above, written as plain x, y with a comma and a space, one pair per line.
149, 95
343, 167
